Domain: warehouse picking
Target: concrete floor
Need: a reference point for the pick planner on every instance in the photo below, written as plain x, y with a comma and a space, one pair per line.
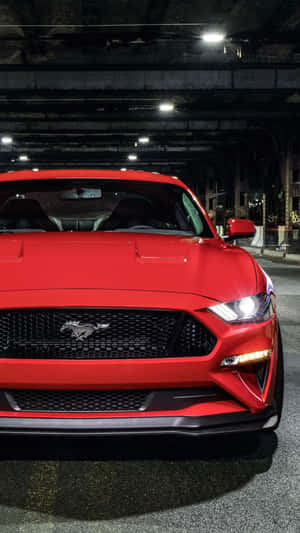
60, 485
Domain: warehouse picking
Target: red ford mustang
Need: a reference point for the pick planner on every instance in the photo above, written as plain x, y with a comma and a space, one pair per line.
123, 312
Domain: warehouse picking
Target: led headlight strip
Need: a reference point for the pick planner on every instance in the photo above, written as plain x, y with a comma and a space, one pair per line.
247, 358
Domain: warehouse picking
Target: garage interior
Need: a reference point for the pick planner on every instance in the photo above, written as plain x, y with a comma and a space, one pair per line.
208, 92
82, 84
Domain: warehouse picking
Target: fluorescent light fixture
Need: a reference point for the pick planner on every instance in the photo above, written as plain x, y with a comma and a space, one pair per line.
123, 169
132, 157
144, 140
35, 169
6, 139
166, 107
213, 37
247, 358
23, 157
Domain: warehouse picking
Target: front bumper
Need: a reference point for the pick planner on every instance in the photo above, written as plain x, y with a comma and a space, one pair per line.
238, 422
246, 410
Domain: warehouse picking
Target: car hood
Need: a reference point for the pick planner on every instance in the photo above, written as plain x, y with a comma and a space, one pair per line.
143, 262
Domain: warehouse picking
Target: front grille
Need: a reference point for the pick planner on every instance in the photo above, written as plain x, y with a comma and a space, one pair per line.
106, 334
77, 400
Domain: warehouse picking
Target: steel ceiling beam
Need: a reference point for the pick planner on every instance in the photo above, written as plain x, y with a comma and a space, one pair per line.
137, 127
136, 80
203, 119
114, 153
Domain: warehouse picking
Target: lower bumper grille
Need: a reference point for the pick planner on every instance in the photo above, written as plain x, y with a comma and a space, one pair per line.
101, 334
77, 401
101, 401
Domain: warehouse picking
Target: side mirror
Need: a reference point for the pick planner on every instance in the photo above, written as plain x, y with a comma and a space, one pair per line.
239, 228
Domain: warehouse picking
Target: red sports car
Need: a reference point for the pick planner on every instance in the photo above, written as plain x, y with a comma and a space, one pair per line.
123, 312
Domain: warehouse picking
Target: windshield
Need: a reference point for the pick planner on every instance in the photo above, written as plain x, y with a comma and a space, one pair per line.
99, 205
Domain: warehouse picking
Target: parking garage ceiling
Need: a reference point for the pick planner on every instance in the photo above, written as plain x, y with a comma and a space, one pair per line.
81, 81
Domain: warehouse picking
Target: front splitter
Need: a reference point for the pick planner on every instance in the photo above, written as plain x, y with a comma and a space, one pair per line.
181, 425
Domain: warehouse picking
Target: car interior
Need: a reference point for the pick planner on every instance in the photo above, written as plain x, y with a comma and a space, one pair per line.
82, 206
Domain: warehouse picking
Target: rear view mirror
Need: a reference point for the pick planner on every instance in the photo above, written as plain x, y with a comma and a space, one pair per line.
238, 228
81, 193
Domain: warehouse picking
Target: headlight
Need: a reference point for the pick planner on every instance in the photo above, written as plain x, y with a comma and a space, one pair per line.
250, 309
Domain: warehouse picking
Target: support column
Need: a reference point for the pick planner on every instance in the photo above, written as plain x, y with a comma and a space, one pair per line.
286, 160
287, 185
246, 189
237, 186
264, 221
207, 196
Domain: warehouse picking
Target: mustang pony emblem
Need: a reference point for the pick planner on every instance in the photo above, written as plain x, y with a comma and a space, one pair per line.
81, 331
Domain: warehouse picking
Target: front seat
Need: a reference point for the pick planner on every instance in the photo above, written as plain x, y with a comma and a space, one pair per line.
23, 213
128, 213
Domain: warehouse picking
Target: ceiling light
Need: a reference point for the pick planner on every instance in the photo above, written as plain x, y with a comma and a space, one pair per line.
35, 169
144, 140
166, 107
123, 169
12, 160
23, 157
6, 139
213, 37
132, 157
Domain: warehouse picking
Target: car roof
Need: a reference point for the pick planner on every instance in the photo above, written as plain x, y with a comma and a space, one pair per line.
134, 175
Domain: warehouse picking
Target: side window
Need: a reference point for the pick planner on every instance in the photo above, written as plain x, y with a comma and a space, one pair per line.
193, 214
